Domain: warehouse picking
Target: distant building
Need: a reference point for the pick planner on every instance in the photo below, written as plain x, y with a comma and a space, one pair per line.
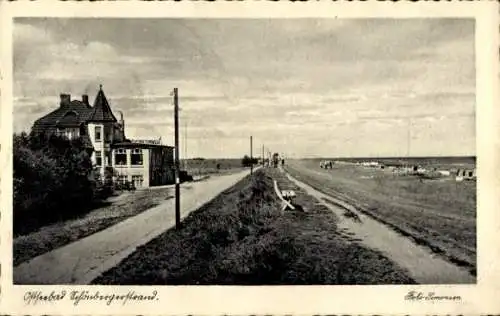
421, 170
146, 163
372, 164
445, 173
466, 174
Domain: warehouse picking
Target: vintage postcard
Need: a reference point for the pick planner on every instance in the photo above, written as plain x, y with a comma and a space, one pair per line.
249, 158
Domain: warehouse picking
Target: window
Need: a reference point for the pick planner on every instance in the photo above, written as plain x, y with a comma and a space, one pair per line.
98, 158
120, 157
136, 157
71, 133
122, 179
137, 180
98, 133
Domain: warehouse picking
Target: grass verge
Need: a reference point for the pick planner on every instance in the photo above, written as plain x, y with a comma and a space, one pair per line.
243, 238
59, 234
201, 167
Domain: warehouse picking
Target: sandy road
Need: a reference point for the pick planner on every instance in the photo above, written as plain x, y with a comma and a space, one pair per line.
423, 266
84, 260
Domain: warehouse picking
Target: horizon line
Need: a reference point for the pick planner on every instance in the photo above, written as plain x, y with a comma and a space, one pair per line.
345, 157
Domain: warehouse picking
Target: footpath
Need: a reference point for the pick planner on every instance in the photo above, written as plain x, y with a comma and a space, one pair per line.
423, 266
84, 260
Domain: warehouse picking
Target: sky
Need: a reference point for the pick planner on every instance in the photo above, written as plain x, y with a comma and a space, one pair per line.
302, 87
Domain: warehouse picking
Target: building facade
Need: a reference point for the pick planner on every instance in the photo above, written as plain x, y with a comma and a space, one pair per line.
145, 163
466, 174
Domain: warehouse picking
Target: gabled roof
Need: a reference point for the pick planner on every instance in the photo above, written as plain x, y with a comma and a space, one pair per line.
70, 114
102, 112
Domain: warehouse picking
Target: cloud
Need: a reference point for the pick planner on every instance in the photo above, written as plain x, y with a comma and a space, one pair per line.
317, 83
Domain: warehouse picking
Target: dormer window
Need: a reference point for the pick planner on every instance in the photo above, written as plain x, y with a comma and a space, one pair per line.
71, 114
98, 133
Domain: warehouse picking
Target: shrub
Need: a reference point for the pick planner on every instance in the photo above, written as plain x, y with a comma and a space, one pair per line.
247, 161
52, 180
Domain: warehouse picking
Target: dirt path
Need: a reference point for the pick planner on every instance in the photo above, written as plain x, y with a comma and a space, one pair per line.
424, 267
82, 261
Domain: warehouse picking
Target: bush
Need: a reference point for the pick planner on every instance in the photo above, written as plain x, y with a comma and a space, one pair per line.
104, 190
52, 180
184, 176
247, 161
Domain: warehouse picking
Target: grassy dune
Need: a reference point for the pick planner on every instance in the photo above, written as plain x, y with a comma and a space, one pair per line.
242, 237
438, 214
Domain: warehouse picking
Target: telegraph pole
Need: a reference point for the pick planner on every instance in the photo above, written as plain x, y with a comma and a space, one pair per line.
185, 144
262, 154
408, 140
177, 180
251, 155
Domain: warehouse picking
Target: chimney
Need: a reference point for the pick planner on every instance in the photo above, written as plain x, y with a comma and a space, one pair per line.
85, 99
65, 99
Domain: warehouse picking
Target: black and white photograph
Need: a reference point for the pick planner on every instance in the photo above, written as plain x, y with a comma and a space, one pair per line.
363, 151
262, 151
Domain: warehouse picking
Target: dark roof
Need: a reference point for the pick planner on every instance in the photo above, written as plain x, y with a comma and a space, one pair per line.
75, 113
102, 112
69, 114
70, 118
139, 145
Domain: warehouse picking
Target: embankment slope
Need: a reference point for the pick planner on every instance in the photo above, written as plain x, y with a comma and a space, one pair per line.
243, 238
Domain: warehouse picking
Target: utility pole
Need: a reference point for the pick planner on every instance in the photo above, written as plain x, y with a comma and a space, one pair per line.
177, 180
185, 144
408, 140
251, 155
262, 154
